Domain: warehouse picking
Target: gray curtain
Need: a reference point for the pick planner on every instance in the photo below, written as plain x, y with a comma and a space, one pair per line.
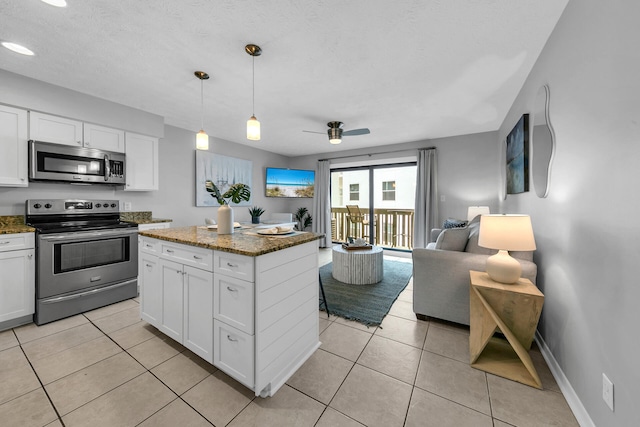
426, 213
322, 203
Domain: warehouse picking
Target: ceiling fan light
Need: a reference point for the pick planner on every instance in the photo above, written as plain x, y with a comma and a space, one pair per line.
335, 135
253, 129
202, 140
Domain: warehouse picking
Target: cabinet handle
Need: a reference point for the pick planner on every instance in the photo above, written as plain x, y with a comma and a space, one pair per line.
230, 289
30, 256
231, 339
197, 257
169, 251
5, 243
148, 245
79, 142
148, 265
87, 144
231, 265
179, 271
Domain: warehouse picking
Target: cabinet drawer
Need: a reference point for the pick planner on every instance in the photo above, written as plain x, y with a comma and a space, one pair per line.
14, 242
149, 246
233, 353
190, 255
233, 302
234, 265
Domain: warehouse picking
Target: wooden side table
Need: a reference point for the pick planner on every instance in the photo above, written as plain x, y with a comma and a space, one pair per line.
514, 310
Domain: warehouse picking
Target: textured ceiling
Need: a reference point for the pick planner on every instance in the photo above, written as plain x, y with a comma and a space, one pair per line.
407, 70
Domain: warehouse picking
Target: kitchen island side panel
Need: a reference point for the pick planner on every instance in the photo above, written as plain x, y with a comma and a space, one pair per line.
286, 298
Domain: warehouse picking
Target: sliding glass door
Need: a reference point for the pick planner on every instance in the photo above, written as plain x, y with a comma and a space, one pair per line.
375, 203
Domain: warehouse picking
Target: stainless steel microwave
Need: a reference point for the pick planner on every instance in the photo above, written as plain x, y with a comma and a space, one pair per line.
66, 163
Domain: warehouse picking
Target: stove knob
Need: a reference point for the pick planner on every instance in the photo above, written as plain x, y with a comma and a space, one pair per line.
113, 205
98, 205
48, 205
37, 206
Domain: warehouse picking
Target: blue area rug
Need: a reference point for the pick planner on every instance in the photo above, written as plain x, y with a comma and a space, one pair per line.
367, 304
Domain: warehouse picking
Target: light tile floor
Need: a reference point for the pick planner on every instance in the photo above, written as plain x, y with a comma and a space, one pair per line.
108, 368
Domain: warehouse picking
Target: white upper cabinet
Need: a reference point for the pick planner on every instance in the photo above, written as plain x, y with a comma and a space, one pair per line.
141, 162
13, 146
59, 130
43, 127
103, 138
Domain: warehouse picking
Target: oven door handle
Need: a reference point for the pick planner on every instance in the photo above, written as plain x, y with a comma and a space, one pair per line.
107, 168
86, 293
88, 234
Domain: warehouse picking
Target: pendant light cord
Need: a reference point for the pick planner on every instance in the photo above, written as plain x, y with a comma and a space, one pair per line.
201, 104
253, 85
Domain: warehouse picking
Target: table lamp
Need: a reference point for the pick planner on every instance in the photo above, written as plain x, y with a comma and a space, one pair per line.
474, 211
505, 233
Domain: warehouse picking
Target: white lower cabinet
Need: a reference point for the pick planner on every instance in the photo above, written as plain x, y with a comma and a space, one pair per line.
17, 279
234, 353
254, 318
177, 298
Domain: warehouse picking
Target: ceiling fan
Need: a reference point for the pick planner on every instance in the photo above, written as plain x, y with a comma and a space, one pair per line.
336, 132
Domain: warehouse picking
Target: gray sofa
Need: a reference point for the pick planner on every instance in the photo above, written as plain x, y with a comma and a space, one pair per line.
441, 272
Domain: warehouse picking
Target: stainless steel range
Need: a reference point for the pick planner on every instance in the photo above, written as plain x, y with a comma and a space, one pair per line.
85, 256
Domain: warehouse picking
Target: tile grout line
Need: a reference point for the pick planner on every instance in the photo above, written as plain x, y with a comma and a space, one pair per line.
42, 386
149, 372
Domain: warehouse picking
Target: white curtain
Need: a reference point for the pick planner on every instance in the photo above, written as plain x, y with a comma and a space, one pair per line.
322, 203
426, 213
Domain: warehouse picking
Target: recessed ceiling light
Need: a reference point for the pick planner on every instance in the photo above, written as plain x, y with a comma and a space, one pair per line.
56, 3
17, 48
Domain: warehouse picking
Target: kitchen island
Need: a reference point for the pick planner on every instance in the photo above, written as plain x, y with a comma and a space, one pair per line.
244, 302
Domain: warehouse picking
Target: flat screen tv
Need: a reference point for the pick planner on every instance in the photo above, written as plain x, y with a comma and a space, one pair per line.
289, 182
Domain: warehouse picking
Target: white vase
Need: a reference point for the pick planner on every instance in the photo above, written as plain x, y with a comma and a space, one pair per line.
225, 220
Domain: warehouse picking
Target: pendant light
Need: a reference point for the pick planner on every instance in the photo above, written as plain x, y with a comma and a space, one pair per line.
202, 139
253, 125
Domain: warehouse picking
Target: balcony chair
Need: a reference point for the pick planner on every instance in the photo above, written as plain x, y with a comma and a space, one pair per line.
356, 217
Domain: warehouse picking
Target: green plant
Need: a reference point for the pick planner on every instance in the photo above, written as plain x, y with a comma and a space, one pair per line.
256, 211
236, 193
304, 219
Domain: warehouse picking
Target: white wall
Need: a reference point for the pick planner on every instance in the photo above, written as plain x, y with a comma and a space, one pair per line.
587, 230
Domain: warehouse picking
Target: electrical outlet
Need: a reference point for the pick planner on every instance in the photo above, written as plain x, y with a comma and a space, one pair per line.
127, 206
607, 391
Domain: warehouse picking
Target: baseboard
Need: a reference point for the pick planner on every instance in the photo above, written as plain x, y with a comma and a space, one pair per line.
567, 390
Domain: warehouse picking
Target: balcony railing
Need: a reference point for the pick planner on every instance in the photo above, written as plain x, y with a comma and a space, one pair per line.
392, 228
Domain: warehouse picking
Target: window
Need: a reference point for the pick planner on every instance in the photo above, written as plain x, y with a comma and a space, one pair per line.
354, 191
388, 190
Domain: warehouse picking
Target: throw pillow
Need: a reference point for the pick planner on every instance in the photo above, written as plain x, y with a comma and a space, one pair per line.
453, 239
472, 243
453, 223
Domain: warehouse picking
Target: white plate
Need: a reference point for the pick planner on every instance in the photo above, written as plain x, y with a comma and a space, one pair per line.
280, 233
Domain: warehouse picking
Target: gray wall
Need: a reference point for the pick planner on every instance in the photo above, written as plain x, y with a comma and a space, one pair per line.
176, 198
24, 92
586, 229
468, 168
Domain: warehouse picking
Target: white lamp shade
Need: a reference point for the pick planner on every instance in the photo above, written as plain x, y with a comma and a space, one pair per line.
253, 129
202, 140
335, 141
474, 211
506, 232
